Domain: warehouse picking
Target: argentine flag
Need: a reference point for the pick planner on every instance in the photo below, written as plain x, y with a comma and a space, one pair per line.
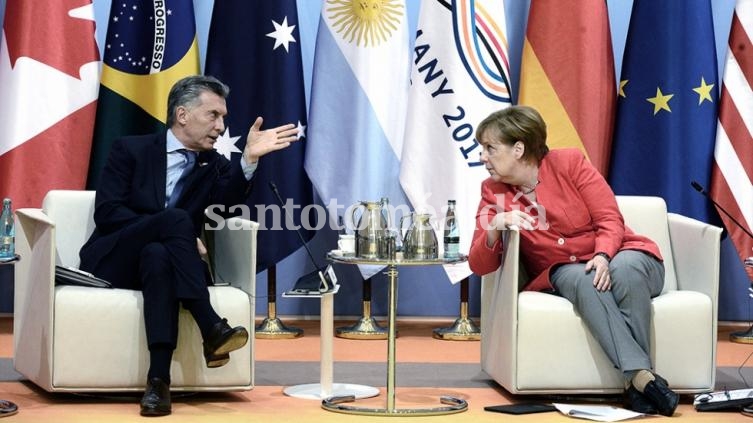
358, 105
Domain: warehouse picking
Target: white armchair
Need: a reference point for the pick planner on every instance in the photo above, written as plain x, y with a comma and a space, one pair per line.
535, 343
79, 339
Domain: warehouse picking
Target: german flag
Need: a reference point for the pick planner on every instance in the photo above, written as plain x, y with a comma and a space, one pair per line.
150, 45
567, 74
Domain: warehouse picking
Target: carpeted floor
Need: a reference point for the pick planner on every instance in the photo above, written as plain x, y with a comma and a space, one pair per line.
427, 369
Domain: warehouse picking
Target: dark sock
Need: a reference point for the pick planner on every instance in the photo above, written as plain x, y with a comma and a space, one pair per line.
203, 314
160, 356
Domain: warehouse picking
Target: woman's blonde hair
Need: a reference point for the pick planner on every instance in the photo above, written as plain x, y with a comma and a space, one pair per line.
513, 124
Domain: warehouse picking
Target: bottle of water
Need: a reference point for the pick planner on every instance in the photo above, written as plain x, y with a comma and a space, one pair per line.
388, 240
451, 233
385, 202
7, 232
341, 229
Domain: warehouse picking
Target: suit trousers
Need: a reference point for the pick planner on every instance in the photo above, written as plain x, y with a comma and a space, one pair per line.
620, 318
158, 255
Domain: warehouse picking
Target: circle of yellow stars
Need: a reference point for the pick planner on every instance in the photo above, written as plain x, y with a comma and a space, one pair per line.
661, 100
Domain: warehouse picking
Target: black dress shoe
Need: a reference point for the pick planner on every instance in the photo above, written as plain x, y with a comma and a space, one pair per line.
221, 340
635, 401
216, 360
658, 393
156, 399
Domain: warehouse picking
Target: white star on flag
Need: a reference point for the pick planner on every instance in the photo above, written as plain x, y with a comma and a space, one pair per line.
225, 144
283, 34
301, 130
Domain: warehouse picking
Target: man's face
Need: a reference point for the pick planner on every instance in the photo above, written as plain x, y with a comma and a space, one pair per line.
200, 125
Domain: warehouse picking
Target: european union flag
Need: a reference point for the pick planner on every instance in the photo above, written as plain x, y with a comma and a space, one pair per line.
254, 47
667, 105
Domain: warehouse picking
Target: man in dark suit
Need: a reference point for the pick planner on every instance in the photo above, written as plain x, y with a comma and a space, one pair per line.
149, 211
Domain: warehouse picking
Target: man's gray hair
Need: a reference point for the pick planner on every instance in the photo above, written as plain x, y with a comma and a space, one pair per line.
186, 93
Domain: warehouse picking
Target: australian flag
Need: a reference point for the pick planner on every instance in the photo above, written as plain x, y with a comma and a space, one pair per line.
254, 48
667, 105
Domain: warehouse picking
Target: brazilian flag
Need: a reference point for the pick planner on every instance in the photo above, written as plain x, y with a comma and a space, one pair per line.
150, 45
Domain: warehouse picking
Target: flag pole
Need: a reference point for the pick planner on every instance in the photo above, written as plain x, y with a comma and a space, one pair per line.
272, 327
463, 329
366, 327
744, 337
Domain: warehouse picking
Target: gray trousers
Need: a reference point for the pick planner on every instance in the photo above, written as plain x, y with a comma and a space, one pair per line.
619, 319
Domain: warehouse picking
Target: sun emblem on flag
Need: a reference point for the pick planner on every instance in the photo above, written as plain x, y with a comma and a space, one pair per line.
367, 22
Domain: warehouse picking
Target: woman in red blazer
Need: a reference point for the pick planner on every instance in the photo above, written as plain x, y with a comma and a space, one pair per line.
574, 243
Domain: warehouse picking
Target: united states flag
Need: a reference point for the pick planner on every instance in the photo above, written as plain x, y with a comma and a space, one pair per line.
732, 172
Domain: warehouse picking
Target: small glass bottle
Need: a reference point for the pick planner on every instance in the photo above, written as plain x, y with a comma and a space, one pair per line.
386, 220
341, 229
451, 233
7, 232
387, 240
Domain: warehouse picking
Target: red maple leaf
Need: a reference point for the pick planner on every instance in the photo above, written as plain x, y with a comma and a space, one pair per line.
43, 31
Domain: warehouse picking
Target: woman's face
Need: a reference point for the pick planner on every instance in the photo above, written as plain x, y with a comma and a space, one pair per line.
501, 160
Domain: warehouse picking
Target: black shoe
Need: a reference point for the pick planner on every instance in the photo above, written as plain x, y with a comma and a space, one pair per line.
221, 340
635, 401
156, 399
216, 360
658, 393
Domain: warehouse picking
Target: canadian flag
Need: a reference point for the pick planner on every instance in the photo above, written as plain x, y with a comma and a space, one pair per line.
49, 79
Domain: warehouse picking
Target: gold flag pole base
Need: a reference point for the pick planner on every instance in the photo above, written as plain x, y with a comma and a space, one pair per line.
366, 327
272, 327
746, 336
742, 337
463, 329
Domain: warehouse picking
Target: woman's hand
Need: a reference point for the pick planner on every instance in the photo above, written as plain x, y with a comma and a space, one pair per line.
602, 279
504, 221
517, 218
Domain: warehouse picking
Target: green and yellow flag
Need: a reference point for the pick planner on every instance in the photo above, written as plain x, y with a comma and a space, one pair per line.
150, 45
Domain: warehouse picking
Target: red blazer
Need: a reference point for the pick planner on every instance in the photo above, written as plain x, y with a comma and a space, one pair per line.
577, 216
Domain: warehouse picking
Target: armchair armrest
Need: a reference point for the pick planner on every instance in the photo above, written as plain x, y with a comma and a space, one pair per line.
34, 292
499, 312
696, 252
234, 254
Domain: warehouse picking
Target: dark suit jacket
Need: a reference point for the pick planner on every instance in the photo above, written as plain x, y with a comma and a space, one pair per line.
133, 186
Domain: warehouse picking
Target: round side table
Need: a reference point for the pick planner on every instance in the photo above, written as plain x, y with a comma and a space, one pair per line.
8, 408
339, 404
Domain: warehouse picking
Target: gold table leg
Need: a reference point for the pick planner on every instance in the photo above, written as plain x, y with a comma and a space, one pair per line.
338, 404
463, 329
